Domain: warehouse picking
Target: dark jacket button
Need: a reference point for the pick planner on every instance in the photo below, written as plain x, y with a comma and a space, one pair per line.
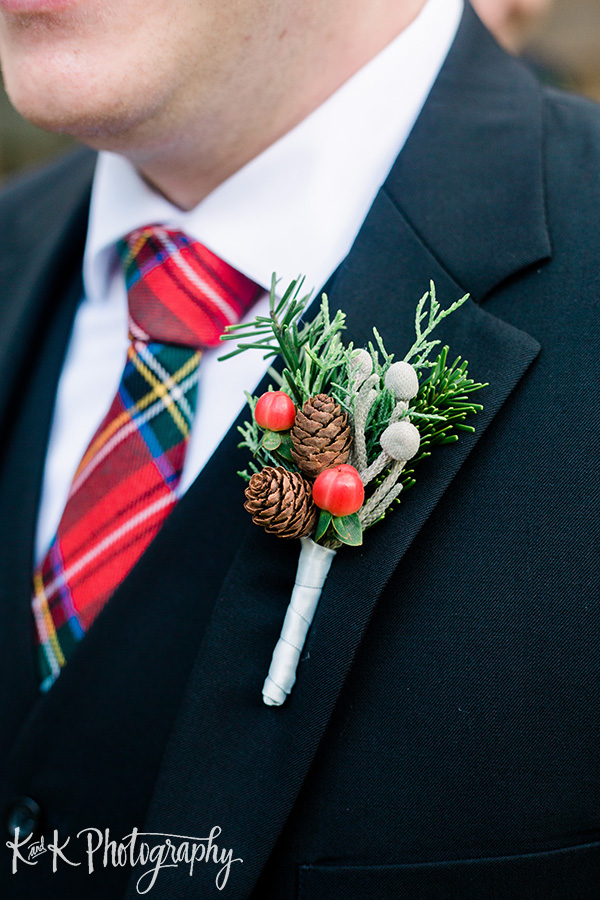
25, 814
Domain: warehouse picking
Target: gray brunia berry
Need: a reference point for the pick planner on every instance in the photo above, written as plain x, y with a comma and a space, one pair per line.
402, 380
400, 440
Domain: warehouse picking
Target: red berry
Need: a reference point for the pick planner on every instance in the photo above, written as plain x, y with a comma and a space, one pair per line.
339, 490
275, 411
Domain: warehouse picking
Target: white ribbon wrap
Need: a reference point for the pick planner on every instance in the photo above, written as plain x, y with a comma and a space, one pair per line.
313, 568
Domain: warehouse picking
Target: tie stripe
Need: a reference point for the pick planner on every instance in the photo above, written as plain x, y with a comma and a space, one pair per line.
180, 298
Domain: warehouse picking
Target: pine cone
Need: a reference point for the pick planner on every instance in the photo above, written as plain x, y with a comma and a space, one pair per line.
281, 502
321, 436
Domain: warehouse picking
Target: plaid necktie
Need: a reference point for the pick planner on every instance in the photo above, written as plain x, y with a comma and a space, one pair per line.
181, 297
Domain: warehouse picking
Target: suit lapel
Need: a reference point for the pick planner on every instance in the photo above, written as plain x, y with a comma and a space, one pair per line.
232, 761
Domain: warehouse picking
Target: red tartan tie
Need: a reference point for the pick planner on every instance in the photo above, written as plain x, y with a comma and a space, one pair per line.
181, 297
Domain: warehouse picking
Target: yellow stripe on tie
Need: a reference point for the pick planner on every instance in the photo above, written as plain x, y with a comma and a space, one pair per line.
143, 237
38, 586
162, 389
138, 407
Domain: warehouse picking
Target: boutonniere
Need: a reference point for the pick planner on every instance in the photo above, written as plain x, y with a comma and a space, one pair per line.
337, 442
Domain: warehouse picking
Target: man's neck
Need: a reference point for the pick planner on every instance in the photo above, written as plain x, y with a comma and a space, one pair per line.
186, 165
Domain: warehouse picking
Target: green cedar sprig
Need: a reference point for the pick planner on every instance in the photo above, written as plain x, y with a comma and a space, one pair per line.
312, 352
431, 314
440, 408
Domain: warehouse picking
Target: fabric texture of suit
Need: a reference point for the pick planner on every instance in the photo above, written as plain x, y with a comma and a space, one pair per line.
442, 738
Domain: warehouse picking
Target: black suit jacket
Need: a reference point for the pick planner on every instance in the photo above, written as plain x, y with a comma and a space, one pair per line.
442, 739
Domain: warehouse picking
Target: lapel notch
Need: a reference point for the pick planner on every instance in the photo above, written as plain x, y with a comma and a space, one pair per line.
470, 179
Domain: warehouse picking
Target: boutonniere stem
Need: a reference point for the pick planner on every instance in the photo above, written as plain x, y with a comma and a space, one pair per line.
313, 568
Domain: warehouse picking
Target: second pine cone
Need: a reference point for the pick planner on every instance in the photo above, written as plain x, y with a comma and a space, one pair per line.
321, 436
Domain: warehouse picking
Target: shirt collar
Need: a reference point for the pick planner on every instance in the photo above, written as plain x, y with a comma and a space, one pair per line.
289, 210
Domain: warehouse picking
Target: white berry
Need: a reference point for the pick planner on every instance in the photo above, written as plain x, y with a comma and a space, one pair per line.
402, 380
400, 440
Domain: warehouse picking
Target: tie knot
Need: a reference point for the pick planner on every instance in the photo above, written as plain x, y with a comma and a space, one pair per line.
178, 291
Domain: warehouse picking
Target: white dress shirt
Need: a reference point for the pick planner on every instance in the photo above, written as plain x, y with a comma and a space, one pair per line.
295, 209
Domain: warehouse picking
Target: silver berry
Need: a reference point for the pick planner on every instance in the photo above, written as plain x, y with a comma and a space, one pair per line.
402, 380
401, 440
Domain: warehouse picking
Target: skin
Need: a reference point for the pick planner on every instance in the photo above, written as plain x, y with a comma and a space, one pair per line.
511, 21
188, 90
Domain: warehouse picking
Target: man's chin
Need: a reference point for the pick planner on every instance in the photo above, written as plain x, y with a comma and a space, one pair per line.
86, 95
82, 126
84, 116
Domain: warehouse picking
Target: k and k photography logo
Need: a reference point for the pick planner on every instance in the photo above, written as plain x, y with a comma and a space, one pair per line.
147, 852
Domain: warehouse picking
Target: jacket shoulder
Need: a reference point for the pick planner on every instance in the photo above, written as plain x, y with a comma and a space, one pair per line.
572, 127
40, 199
574, 104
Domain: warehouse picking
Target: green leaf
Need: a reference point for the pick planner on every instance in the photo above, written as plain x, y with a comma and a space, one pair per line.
348, 529
323, 524
285, 448
271, 440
